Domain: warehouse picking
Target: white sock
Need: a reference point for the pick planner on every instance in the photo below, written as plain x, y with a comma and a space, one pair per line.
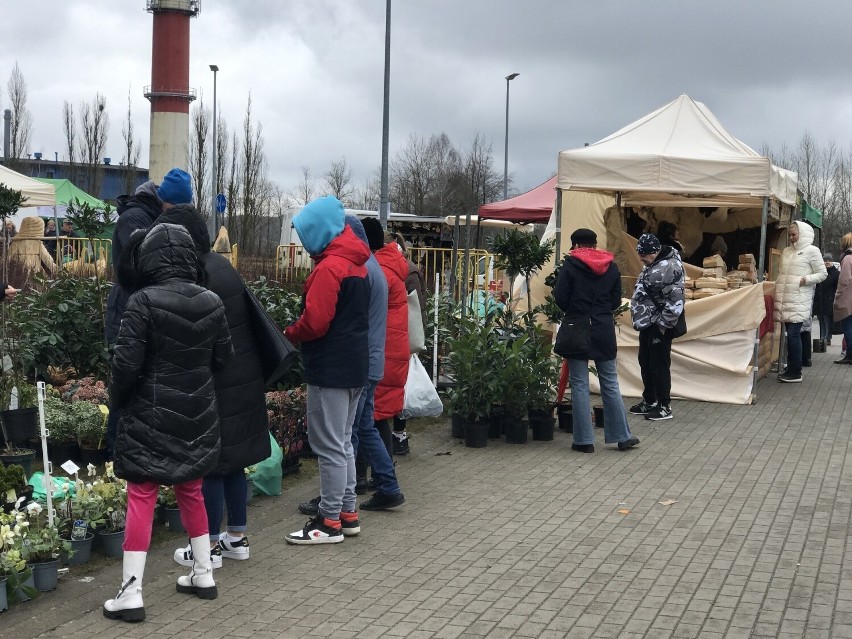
231, 539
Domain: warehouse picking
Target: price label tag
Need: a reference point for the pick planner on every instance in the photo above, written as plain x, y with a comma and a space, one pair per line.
70, 467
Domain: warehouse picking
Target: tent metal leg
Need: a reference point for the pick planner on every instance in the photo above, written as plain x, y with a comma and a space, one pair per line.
760, 266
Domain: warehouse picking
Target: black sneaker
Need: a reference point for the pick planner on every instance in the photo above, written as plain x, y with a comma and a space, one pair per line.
310, 508
642, 408
790, 378
371, 484
400, 443
659, 414
583, 448
350, 525
383, 501
361, 486
316, 531
628, 444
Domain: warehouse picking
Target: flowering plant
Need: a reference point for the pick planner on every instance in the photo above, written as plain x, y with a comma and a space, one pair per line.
13, 527
42, 541
108, 500
85, 390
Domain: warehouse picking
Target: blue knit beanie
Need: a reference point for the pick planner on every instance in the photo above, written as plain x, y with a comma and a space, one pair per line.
176, 187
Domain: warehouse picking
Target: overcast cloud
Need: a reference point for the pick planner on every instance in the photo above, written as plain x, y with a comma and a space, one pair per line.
770, 70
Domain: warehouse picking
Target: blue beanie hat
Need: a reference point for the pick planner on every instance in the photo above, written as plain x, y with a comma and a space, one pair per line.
648, 244
176, 187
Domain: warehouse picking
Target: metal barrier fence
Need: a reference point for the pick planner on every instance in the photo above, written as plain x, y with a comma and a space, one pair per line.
293, 263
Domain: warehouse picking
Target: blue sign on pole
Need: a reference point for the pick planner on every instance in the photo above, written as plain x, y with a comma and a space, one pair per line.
220, 203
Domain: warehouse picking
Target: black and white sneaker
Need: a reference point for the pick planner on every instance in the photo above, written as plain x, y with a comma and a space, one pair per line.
642, 408
316, 531
400, 443
238, 550
310, 508
659, 414
790, 378
184, 556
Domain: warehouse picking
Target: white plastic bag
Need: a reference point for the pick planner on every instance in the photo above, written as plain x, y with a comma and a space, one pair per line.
421, 398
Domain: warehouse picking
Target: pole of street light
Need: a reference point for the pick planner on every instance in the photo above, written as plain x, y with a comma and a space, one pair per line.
384, 205
215, 187
509, 78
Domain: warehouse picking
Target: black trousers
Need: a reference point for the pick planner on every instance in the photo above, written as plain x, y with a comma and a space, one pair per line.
655, 362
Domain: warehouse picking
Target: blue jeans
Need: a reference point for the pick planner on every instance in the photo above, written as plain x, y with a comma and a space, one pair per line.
227, 489
825, 322
365, 435
615, 418
846, 324
794, 347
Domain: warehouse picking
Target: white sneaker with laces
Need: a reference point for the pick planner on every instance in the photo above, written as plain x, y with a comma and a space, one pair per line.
184, 556
238, 550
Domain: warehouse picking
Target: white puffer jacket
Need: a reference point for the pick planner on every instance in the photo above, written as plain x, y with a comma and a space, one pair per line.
801, 260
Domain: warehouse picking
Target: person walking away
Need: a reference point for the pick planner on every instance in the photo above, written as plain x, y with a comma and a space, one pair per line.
173, 336
413, 282
240, 399
134, 213
333, 331
656, 307
366, 441
824, 298
843, 298
589, 285
800, 270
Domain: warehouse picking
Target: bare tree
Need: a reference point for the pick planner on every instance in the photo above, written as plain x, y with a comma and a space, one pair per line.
69, 126
254, 193
304, 190
131, 149
233, 186
337, 181
94, 123
21, 125
367, 197
197, 157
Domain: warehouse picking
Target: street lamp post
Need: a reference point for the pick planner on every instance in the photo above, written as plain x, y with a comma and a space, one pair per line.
509, 78
384, 205
215, 187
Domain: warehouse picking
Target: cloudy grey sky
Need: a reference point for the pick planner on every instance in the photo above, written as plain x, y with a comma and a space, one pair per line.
770, 70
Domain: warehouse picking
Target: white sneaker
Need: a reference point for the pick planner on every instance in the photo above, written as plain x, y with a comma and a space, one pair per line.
238, 550
184, 556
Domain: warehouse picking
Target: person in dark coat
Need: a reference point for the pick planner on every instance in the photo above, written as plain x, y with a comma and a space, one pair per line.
134, 212
173, 336
240, 397
589, 285
823, 306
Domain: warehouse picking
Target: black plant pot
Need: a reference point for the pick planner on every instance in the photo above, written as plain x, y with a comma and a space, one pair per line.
565, 415
496, 416
517, 430
21, 456
542, 424
61, 452
476, 434
20, 424
94, 456
457, 423
599, 415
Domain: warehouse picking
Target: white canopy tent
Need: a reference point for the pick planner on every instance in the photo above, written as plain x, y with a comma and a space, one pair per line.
679, 156
37, 193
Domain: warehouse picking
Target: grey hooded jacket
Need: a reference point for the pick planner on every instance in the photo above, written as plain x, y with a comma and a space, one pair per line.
658, 297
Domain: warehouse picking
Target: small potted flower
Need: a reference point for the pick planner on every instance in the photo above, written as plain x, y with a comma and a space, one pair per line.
112, 515
42, 545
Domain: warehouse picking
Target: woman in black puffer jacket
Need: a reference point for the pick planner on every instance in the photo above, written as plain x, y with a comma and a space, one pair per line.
240, 394
173, 335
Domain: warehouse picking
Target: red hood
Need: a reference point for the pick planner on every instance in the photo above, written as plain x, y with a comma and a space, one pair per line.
597, 260
347, 245
391, 257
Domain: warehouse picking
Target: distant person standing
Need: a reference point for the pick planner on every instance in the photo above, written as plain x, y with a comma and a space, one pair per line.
50, 231
656, 306
68, 248
800, 270
824, 298
843, 298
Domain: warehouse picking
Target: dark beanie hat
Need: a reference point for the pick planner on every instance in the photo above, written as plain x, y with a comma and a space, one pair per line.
375, 233
584, 236
648, 244
176, 187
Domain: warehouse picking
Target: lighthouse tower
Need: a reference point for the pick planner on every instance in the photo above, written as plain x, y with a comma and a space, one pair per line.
169, 91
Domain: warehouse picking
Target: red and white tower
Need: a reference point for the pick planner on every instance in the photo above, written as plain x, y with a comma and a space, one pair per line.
169, 91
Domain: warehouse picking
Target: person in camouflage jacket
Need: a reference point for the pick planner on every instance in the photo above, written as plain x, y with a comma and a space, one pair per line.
655, 307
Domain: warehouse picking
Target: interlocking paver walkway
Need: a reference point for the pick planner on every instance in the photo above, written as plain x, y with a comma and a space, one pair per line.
528, 541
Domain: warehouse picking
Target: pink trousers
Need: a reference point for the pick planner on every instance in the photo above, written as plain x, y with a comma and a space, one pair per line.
141, 499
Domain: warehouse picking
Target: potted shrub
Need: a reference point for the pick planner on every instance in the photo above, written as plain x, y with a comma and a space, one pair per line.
90, 420
79, 515
19, 415
62, 441
286, 412
542, 389
516, 378
520, 253
14, 489
474, 362
42, 545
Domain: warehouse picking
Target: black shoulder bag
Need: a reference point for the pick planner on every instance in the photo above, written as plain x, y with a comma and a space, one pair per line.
574, 339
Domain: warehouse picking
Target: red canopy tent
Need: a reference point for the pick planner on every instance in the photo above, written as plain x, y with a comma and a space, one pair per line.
532, 207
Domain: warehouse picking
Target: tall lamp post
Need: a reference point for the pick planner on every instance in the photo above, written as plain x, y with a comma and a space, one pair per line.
384, 205
509, 78
215, 187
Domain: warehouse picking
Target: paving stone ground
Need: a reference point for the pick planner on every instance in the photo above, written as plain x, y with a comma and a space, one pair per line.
528, 541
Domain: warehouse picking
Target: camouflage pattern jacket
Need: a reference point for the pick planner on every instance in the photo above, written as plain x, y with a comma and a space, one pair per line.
658, 297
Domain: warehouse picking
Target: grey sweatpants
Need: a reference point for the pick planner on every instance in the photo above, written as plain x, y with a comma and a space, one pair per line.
331, 413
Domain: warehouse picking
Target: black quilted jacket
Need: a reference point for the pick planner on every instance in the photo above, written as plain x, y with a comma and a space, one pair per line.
173, 336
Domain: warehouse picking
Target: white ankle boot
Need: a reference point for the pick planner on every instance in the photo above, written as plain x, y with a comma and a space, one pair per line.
199, 582
127, 604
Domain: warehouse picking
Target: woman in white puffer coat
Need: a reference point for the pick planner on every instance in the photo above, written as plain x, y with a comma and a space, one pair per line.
801, 269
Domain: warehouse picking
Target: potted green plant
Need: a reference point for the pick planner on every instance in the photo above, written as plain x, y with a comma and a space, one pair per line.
520, 253
515, 376
90, 420
18, 412
62, 443
42, 545
14, 489
542, 388
16, 578
111, 516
